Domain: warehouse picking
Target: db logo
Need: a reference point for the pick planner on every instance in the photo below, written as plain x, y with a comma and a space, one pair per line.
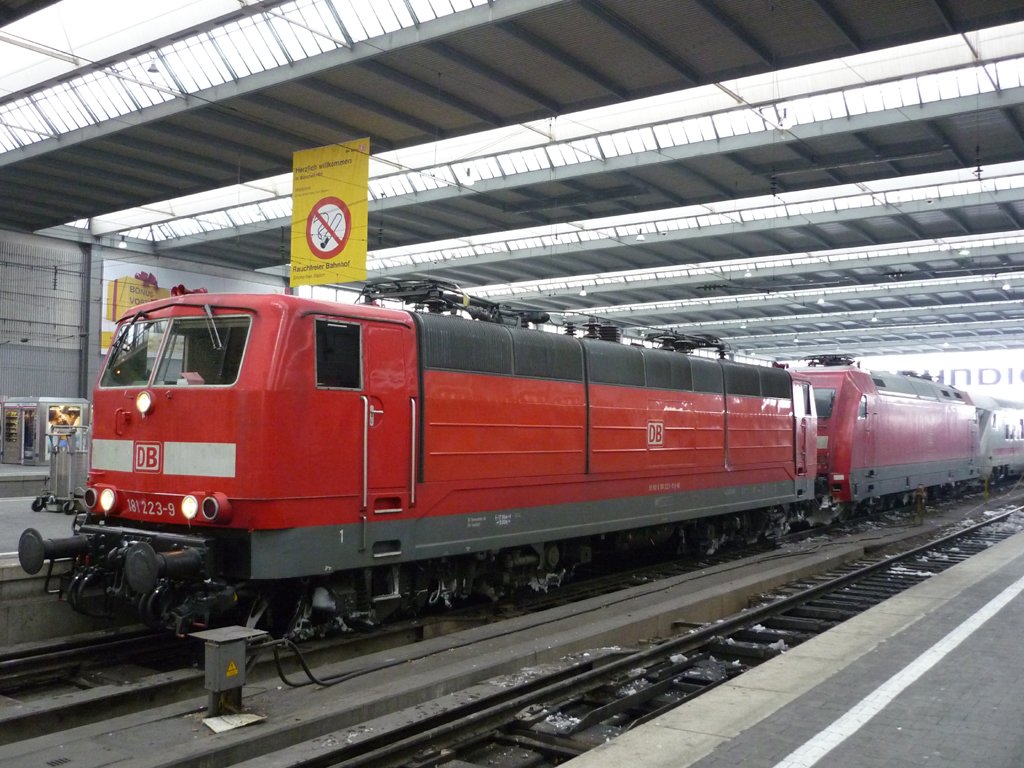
655, 433
148, 457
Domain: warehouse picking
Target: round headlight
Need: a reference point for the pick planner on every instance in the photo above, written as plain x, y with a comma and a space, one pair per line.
211, 507
108, 498
92, 498
144, 401
190, 507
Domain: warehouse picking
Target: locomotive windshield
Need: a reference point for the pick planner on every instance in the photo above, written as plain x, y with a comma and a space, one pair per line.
180, 352
823, 401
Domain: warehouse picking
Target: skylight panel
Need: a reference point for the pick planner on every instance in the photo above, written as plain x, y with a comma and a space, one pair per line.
725, 124
352, 20
392, 15
442, 175
284, 34
179, 58
485, 168
536, 159
390, 187
422, 10
702, 129
519, 163
197, 67
608, 146
99, 103
628, 142
180, 228
272, 53
669, 134
971, 82
560, 155
1007, 73
909, 92
238, 51
928, 88
836, 106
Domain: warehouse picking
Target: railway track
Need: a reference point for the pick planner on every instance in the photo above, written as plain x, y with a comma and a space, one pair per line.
70, 662
699, 671
559, 714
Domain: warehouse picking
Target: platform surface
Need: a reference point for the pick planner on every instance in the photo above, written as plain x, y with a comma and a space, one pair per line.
19, 480
16, 515
933, 677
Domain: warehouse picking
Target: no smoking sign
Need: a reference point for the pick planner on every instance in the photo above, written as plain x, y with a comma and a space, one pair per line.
327, 227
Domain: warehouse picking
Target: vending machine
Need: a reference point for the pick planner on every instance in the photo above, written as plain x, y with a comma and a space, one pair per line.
29, 424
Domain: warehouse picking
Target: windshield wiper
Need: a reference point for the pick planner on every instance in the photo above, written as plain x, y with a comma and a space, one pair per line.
122, 337
212, 327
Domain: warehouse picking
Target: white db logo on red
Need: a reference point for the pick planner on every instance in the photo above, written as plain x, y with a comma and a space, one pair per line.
148, 457
655, 433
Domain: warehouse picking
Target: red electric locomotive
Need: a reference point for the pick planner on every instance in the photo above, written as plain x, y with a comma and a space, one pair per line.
881, 435
250, 449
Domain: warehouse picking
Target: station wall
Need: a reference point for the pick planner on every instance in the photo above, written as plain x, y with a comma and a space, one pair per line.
45, 289
54, 307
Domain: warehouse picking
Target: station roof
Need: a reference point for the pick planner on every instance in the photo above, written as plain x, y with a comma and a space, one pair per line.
798, 177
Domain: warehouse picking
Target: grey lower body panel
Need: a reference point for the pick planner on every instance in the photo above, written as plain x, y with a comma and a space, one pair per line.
904, 478
323, 550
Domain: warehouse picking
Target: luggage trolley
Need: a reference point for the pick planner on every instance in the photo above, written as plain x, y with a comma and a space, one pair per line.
69, 468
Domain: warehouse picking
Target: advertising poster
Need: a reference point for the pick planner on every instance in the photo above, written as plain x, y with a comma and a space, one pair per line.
998, 373
127, 286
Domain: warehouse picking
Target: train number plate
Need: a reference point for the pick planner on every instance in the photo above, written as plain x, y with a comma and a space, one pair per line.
149, 507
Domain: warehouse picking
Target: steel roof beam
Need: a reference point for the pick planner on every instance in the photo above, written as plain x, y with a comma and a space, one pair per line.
691, 307
856, 318
716, 230
668, 156
711, 271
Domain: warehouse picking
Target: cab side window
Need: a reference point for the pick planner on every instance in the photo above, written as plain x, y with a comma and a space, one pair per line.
338, 355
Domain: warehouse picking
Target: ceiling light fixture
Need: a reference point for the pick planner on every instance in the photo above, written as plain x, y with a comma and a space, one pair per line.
640, 237
1006, 286
874, 318
122, 243
821, 300
583, 291
747, 273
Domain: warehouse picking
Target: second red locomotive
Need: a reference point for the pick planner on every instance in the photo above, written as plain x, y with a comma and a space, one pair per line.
882, 435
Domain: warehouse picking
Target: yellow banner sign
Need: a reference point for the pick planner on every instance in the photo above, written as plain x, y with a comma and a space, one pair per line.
329, 210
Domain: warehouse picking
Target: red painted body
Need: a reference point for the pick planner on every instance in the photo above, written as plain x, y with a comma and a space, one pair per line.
486, 443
